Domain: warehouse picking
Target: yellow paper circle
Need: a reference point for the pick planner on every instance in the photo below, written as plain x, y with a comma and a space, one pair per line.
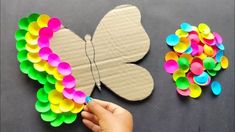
57, 75
55, 108
181, 33
33, 28
55, 97
77, 108
195, 90
32, 48
31, 39
188, 56
49, 69
177, 74
208, 36
208, 50
43, 20
40, 65
182, 46
224, 62
66, 105
33, 57
59, 86
202, 56
204, 28
171, 55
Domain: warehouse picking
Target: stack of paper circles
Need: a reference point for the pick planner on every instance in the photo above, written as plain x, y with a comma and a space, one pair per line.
197, 56
57, 101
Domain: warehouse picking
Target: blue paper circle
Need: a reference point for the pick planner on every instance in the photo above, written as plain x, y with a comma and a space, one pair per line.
172, 40
186, 27
189, 50
220, 46
218, 55
216, 88
201, 79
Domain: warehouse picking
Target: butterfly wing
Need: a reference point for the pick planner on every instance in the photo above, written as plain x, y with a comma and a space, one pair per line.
71, 48
119, 39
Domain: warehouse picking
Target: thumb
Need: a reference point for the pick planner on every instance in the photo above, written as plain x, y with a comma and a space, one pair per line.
97, 110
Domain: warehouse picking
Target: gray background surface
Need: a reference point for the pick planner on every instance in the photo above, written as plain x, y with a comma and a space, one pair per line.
164, 110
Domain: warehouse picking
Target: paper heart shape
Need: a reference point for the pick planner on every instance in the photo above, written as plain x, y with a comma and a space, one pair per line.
69, 67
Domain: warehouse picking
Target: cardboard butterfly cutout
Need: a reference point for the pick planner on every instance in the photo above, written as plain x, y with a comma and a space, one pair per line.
118, 40
69, 67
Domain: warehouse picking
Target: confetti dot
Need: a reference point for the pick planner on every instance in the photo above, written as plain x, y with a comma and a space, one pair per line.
186, 27
177, 74
172, 40
66, 105
55, 97
224, 62
43, 20
195, 90
54, 24
58, 121
42, 107
185, 92
79, 97
48, 116
64, 68
171, 66
69, 118
216, 88
171, 56
182, 83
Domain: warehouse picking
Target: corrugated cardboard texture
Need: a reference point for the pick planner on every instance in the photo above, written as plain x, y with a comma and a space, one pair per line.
119, 39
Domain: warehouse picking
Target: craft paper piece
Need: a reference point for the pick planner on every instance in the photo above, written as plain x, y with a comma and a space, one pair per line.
197, 56
69, 67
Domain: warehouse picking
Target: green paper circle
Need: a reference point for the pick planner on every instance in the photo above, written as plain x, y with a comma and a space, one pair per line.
33, 17
58, 121
22, 56
25, 66
23, 23
48, 116
211, 72
20, 45
42, 96
209, 63
42, 77
33, 74
42, 107
217, 67
48, 87
20, 34
183, 63
51, 79
182, 83
69, 118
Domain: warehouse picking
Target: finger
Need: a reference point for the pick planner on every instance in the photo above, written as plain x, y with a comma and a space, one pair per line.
90, 116
91, 125
113, 108
98, 110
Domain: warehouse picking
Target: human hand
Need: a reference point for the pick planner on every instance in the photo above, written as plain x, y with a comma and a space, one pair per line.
102, 116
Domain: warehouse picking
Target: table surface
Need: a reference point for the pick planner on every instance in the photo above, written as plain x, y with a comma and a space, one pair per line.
164, 110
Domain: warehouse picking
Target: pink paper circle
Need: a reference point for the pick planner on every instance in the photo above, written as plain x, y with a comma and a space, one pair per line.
69, 81
190, 76
183, 92
195, 48
215, 48
194, 37
54, 60
64, 68
68, 93
54, 24
46, 33
200, 49
44, 53
170, 66
196, 68
79, 97
218, 38
43, 42
210, 42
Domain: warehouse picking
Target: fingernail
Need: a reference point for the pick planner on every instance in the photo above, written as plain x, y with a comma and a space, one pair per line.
88, 99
